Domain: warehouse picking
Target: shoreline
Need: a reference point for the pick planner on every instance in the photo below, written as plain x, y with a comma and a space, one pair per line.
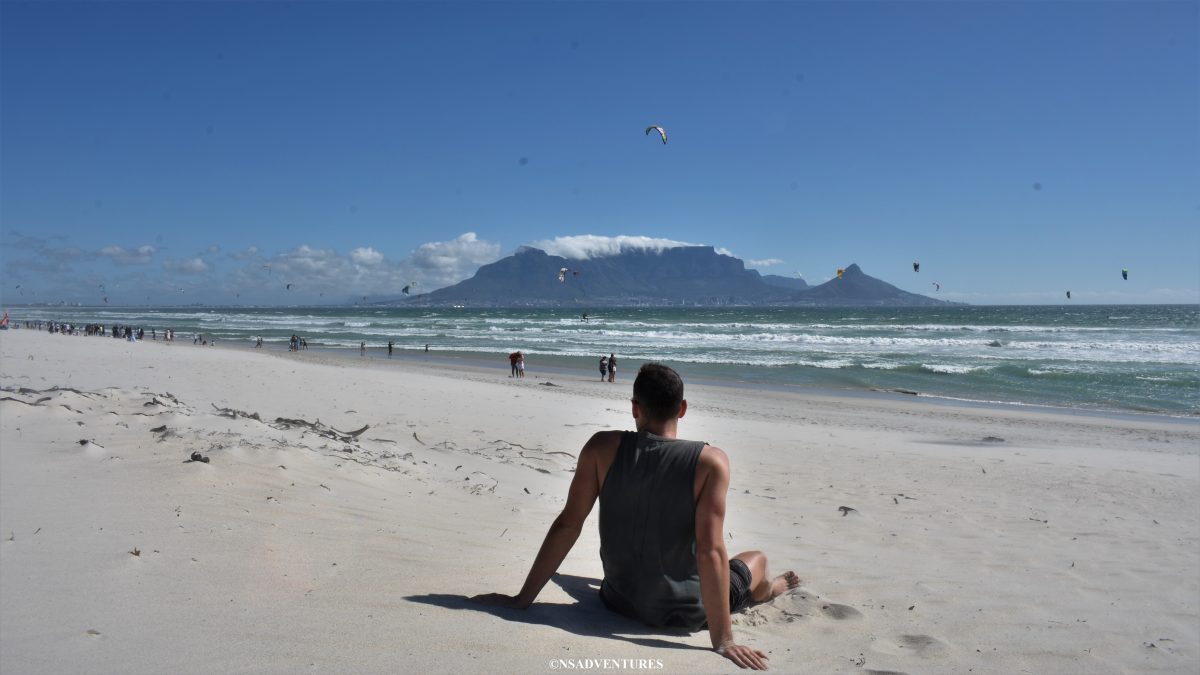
475, 363
1097, 360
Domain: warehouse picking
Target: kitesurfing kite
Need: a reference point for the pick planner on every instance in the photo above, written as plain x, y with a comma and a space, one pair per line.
106, 301
661, 132
1068, 295
840, 272
411, 285
289, 287
562, 274
1125, 274
916, 266
937, 286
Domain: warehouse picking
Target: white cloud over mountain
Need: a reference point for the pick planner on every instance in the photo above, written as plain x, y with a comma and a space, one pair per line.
585, 246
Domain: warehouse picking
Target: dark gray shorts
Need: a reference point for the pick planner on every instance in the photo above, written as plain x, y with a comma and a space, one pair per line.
739, 585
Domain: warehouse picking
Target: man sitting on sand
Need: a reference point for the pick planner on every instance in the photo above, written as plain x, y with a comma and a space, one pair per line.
662, 526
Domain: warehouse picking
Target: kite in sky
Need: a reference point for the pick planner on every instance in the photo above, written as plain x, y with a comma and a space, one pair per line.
661, 132
562, 274
1125, 274
840, 272
916, 266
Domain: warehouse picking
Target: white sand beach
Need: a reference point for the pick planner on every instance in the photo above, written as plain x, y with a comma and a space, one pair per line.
981, 540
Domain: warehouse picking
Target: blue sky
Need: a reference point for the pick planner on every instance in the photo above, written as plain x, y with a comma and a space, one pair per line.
213, 152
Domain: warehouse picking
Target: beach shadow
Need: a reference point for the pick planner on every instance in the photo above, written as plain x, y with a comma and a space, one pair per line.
587, 617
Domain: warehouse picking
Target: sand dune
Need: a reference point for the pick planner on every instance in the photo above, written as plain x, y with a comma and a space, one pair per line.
347, 509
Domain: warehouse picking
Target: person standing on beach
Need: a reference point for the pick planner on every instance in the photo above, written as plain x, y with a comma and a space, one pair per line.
362, 349
603, 367
512, 362
520, 364
389, 349
662, 526
612, 367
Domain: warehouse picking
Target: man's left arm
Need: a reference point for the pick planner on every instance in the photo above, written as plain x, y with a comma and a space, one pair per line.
712, 560
563, 533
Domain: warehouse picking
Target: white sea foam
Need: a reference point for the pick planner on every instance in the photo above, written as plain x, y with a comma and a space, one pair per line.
952, 369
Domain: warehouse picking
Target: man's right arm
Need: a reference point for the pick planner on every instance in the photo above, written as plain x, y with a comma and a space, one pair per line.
564, 531
712, 560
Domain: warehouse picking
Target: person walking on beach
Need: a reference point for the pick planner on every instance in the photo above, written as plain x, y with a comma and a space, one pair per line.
612, 368
662, 526
603, 367
362, 349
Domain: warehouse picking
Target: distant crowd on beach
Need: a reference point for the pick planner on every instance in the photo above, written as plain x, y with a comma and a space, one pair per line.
296, 343
130, 333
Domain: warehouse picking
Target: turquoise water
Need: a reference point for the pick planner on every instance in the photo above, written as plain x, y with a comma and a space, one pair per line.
1127, 358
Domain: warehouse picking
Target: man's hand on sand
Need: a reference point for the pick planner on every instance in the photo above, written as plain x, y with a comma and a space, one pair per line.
745, 657
501, 600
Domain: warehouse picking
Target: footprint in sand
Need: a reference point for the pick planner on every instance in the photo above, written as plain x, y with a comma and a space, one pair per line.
921, 645
840, 612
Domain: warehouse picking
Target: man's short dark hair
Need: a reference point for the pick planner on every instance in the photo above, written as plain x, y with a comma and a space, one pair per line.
659, 391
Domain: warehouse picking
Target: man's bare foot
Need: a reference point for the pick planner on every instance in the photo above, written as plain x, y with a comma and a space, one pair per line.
784, 583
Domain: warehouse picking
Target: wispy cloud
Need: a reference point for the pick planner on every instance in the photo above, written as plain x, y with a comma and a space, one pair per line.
765, 262
190, 266
124, 256
316, 273
443, 262
366, 256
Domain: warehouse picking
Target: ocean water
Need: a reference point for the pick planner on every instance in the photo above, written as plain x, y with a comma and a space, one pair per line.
1122, 358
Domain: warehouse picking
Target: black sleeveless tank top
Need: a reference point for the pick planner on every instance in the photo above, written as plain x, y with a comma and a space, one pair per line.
648, 531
